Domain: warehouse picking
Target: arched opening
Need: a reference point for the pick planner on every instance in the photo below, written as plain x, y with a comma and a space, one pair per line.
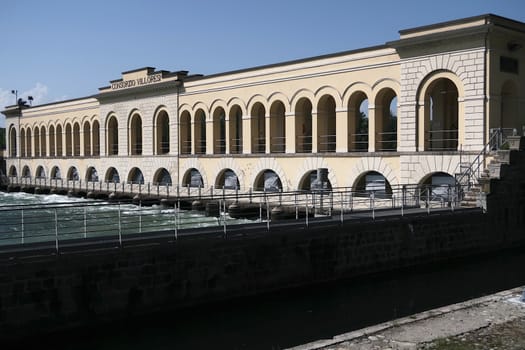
96, 138
441, 116
326, 134
162, 177
92, 174
162, 134
258, 126
510, 107
135, 176
439, 185
87, 139
219, 131
192, 178
135, 135
227, 179
235, 124
40, 172
268, 181
60, 151
386, 121
29, 149
200, 132
112, 175
310, 182
372, 182
185, 133
12, 171
26, 172
69, 144
52, 136
76, 139
303, 126
43, 144
37, 141
12, 142
55, 173
112, 135
72, 174
358, 122
277, 128
22, 142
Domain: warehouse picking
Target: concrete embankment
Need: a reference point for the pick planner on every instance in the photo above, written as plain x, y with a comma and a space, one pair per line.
491, 322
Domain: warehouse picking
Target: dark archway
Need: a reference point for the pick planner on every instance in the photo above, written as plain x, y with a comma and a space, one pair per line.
227, 179
268, 181
372, 182
92, 174
192, 178
112, 175
135, 176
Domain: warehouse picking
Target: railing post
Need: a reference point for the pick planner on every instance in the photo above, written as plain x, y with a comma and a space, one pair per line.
56, 231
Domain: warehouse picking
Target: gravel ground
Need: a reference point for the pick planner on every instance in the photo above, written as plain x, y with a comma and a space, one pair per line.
495, 322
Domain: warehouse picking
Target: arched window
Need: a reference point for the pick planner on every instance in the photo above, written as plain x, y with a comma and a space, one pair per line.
43, 144
112, 175
87, 139
358, 122
162, 134
258, 123
29, 149
135, 176
12, 171
185, 133
227, 179
55, 173
60, 151
277, 128
135, 135
96, 138
438, 186
200, 132
162, 177
441, 116
69, 140
112, 135
219, 131
22, 142
235, 125
268, 181
372, 182
12, 142
92, 174
52, 149
303, 126
192, 178
26, 172
76, 139
314, 180
72, 174
37, 141
40, 172
326, 135
386, 120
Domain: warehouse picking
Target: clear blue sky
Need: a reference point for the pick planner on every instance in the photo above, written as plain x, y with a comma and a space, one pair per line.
64, 49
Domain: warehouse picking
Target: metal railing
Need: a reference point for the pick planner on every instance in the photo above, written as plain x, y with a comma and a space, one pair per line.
327, 143
61, 222
442, 140
359, 142
387, 141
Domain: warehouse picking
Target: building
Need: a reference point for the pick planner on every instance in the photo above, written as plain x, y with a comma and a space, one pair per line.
406, 112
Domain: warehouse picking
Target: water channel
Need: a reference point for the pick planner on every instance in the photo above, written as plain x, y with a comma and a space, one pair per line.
293, 317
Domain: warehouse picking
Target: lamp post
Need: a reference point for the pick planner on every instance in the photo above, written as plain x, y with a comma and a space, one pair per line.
21, 103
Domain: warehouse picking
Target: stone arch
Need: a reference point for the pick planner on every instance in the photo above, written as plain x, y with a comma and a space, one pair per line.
92, 174
324, 91
445, 163
199, 131
235, 121
240, 103
446, 132
135, 176
192, 177
72, 174
12, 171
194, 163
227, 179
270, 163
377, 164
258, 112
185, 132
112, 135
56, 174
255, 99
386, 121
279, 96
230, 163
112, 175
314, 163
267, 180
161, 130
299, 96
303, 110
219, 127
162, 177
326, 123
277, 126
372, 181
12, 141
40, 172
135, 124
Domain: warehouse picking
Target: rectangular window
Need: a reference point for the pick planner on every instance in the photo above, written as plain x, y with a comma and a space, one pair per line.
508, 65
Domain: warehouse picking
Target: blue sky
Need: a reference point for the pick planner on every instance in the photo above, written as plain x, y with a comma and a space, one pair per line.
64, 49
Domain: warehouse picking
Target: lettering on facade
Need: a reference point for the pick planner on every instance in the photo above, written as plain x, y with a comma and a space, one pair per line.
125, 84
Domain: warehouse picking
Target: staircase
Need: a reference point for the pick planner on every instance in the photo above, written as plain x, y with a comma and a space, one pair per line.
475, 180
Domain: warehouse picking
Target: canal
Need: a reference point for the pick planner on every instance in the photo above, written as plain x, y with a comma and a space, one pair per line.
292, 317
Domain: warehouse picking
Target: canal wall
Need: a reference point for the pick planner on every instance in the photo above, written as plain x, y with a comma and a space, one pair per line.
42, 292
